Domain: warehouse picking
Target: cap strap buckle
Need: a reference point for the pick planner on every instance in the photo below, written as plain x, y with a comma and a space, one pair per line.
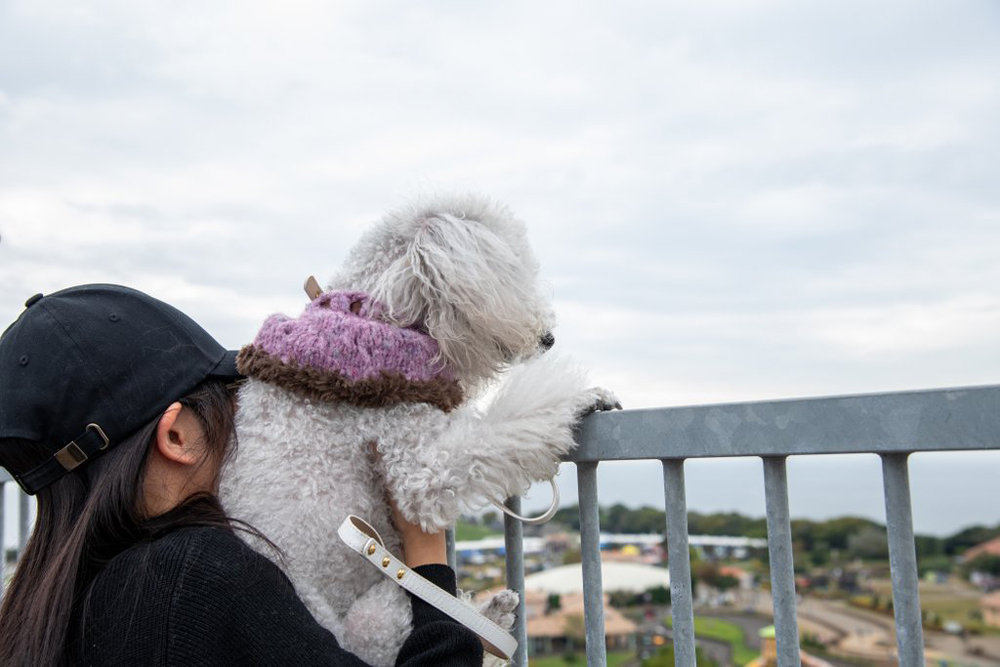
71, 455
79, 450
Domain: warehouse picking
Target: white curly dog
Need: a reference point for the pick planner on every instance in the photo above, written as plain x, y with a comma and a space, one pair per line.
436, 302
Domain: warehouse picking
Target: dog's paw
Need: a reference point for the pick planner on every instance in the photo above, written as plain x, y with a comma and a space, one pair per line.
596, 399
500, 608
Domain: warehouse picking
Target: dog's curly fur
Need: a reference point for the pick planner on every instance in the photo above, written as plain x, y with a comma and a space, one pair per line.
459, 269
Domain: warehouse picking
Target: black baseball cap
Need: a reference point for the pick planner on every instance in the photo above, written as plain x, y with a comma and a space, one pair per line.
87, 366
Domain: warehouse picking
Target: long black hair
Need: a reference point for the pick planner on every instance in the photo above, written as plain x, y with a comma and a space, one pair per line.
86, 518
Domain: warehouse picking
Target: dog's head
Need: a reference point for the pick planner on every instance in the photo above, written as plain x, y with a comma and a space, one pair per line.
459, 269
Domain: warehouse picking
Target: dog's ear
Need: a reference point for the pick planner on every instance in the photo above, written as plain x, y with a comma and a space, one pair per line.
467, 288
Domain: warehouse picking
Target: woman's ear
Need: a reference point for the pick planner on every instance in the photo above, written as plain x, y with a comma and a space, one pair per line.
178, 436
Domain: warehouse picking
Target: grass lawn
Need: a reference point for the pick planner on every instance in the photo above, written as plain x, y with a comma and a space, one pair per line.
470, 531
732, 634
950, 602
614, 659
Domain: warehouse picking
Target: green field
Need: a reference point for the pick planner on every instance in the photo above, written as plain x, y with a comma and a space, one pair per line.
956, 601
614, 659
732, 634
470, 531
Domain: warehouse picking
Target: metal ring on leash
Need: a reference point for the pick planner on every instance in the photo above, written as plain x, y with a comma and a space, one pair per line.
541, 518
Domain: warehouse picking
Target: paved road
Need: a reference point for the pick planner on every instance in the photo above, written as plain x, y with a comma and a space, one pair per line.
752, 624
869, 634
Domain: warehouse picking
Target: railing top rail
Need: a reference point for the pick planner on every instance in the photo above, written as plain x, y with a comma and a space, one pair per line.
955, 419
965, 418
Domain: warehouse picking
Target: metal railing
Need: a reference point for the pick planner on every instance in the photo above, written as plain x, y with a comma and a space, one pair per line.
25, 519
890, 425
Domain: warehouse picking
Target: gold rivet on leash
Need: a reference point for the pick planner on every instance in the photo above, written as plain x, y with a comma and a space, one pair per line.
371, 549
399, 575
386, 561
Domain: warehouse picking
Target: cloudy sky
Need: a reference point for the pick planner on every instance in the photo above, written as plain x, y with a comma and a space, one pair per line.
731, 200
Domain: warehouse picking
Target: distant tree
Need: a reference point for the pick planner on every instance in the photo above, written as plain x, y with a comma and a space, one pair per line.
619, 599
710, 574
571, 556
615, 519
820, 554
575, 629
658, 595
986, 563
933, 564
568, 516
726, 523
552, 603
815, 542
969, 537
490, 518
928, 546
869, 542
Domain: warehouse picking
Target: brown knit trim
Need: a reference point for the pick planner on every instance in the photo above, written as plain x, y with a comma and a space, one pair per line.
330, 386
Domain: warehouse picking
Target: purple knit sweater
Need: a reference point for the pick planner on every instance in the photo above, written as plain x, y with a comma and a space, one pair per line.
331, 353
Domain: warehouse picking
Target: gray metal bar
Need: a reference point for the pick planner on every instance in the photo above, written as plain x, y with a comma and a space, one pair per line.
590, 557
779, 548
679, 561
3, 541
24, 501
449, 543
903, 560
937, 420
513, 539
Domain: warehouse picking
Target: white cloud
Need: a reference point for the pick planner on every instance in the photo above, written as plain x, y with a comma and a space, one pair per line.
730, 199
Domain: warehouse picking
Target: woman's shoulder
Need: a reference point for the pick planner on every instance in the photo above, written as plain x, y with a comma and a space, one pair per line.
181, 542
212, 556
214, 550
168, 588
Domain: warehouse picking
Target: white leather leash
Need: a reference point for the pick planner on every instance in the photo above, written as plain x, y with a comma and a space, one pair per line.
360, 536
535, 520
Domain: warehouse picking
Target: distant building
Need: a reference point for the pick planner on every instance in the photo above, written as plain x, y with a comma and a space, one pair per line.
715, 546
568, 579
990, 604
990, 547
743, 578
560, 629
530, 545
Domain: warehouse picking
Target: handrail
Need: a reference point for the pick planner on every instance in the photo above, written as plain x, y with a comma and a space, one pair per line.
965, 418
892, 425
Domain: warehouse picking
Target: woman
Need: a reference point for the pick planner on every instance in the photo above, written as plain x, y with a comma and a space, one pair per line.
116, 410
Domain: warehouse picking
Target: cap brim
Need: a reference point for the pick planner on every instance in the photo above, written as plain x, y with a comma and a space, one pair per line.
226, 368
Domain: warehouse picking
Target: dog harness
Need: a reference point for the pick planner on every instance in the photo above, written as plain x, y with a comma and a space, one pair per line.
338, 350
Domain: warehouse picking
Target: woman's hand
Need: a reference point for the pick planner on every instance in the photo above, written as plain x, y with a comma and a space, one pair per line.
419, 548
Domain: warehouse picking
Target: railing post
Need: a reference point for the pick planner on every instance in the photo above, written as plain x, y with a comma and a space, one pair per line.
25, 516
3, 540
449, 543
903, 560
513, 539
779, 548
590, 558
679, 562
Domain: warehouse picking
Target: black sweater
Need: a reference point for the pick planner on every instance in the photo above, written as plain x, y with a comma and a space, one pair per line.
200, 596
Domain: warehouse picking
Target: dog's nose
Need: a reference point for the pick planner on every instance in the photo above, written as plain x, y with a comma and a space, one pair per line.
547, 341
